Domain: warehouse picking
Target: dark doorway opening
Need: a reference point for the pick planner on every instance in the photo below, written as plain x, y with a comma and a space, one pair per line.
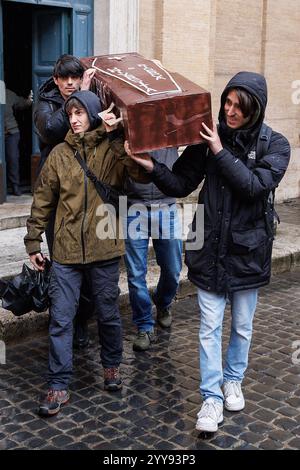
17, 45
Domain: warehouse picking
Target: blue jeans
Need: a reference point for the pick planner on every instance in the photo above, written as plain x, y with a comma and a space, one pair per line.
212, 307
168, 251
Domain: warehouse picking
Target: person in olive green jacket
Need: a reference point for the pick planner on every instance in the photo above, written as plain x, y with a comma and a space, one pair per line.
81, 248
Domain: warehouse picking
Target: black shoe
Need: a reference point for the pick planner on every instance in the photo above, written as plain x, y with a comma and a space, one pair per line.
81, 337
16, 190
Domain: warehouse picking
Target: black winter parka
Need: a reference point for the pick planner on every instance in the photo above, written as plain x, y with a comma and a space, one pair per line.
236, 254
50, 119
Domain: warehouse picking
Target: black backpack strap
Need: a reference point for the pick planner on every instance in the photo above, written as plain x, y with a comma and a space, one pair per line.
263, 143
263, 140
108, 194
85, 168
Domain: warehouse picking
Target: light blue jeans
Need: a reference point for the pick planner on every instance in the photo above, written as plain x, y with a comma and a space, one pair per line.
168, 251
212, 307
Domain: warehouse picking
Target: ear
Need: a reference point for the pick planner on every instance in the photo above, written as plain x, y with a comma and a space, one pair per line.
55, 80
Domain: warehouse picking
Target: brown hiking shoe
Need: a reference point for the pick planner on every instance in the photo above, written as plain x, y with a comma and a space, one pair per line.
112, 379
164, 314
164, 317
52, 402
143, 340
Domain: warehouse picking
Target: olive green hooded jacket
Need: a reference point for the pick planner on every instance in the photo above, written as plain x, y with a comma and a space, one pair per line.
84, 231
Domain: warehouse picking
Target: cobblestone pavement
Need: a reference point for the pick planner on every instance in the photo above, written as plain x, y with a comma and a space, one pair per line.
157, 407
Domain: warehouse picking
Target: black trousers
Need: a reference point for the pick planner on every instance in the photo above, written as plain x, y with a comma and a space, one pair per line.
85, 307
64, 292
12, 158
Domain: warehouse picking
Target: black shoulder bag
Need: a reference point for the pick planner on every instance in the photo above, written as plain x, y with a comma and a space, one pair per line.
108, 194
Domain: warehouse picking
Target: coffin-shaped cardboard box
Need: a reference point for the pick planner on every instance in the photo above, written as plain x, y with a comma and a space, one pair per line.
158, 108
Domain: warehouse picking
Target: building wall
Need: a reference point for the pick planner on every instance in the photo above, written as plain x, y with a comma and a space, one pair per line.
208, 41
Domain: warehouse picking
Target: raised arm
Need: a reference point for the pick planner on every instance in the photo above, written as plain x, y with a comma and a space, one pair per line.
187, 172
255, 183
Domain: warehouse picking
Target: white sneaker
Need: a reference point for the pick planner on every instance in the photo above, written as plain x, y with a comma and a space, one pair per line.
210, 415
233, 395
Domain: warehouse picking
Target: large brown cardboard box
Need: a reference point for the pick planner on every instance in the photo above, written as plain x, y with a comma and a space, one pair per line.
158, 108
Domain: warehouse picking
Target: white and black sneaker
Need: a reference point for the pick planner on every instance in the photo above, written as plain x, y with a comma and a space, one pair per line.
210, 415
233, 396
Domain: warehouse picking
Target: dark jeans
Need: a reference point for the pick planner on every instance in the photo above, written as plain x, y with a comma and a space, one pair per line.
12, 158
85, 307
64, 292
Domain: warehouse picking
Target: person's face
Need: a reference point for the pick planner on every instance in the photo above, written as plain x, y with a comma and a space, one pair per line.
67, 85
79, 120
233, 113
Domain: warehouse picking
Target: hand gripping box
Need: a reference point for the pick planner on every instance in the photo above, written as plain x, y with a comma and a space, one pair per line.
158, 108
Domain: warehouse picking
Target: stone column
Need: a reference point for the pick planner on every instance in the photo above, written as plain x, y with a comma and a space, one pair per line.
116, 26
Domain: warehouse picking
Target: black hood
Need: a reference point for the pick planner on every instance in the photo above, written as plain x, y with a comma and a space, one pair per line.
91, 103
252, 82
49, 91
256, 85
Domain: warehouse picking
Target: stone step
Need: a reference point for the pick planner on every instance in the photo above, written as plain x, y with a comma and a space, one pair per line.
12, 327
286, 255
15, 211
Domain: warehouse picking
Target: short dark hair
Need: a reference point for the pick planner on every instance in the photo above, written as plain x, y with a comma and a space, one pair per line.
73, 103
68, 66
247, 102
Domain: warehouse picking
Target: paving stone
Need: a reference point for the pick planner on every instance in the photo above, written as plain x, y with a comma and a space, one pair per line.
165, 445
49, 432
277, 395
295, 443
269, 444
225, 442
21, 436
264, 415
251, 437
7, 444
294, 402
9, 428
286, 424
288, 411
292, 379
281, 436
62, 441
35, 443
77, 446
259, 427
270, 404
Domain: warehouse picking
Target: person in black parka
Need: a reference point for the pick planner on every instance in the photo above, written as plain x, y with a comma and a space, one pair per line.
52, 124
235, 259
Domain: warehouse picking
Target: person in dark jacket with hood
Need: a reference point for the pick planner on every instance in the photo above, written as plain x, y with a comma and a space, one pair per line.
52, 125
81, 248
235, 259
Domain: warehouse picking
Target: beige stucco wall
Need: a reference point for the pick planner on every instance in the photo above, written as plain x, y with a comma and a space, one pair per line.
210, 40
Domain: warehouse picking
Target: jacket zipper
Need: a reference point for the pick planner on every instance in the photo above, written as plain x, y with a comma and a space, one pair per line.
84, 210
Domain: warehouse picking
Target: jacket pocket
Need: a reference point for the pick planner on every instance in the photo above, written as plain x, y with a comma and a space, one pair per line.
249, 252
245, 241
